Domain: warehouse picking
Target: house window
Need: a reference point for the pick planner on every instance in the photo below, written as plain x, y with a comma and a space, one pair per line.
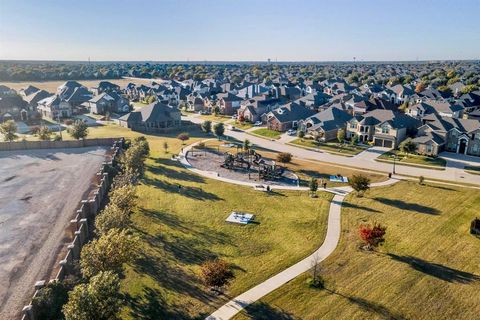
353, 125
429, 148
475, 148
385, 129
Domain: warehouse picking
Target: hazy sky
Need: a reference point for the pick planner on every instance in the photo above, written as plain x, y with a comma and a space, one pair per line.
295, 30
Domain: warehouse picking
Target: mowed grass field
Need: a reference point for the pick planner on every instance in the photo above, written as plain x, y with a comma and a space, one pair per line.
429, 267
180, 228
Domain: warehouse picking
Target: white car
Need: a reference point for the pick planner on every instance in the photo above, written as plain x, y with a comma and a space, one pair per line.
292, 132
258, 123
234, 117
230, 127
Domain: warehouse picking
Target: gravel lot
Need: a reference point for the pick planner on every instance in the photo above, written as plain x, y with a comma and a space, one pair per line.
39, 192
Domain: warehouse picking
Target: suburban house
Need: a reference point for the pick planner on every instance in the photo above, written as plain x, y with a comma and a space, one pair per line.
54, 107
448, 134
325, 124
228, 103
105, 86
33, 98
13, 107
314, 100
400, 93
255, 109
108, 102
195, 102
287, 116
440, 107
155, 117
28, 90
384, 127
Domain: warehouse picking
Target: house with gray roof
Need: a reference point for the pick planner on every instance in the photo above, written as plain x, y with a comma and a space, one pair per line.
287, 117
384, 128
326, 123
155, 117
441, 107
448, 134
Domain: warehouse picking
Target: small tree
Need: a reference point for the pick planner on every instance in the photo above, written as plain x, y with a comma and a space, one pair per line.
219, 130
125, 198
316, 281
99, 299
165, 146
246, 145
206, 126
108, 253
354, 140
340, 135
300, 134
112, 217
284, 157
216, 273
9, 130
49, 300
420, 87
78, 130
408, 146
216, 111
360, 184
421, 180
184, 136
372, 236
241, 118
313, 186
44, 133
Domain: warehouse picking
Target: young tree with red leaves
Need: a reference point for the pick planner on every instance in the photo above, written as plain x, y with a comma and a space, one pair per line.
184, 136
372, 236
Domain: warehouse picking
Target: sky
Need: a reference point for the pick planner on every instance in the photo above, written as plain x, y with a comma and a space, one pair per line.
246, 30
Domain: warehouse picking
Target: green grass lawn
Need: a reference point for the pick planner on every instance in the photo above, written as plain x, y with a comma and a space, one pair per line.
181, 228
215, 118
472, 169
413, 159
241, 126
334, 147
427, 269
266, 133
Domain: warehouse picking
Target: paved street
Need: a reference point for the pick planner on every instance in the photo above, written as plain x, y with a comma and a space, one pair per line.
454, 171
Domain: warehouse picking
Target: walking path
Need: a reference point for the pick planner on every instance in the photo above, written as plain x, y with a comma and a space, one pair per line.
237, 304
234, 306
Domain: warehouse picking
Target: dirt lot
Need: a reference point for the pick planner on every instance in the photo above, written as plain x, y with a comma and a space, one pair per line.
39, 193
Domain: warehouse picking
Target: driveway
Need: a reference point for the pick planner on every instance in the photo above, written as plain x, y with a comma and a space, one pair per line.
371, 153
456, 160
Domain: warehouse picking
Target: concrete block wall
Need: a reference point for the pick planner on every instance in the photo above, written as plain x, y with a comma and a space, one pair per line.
78, 227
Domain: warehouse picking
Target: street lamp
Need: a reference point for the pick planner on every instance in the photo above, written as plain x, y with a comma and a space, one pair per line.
394, 161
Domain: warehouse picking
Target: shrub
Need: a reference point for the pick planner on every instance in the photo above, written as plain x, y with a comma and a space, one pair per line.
216, 273
284, 157
78, 130
50, 299
372, 236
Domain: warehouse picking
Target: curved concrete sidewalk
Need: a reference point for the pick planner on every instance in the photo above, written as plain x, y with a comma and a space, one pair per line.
234, 306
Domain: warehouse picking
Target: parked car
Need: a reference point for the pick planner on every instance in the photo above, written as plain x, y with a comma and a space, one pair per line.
292, 132
234, 117
230, 127
258, 123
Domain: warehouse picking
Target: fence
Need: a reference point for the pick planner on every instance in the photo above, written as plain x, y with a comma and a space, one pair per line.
27, 145
87, 211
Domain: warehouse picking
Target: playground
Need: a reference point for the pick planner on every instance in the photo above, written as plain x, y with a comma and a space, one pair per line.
247, 166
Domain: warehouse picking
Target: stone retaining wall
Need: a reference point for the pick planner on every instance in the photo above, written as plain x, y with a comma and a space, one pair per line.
87, 211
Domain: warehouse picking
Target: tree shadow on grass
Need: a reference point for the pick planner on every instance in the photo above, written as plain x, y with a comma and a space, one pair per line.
358, 207
443, 188
315, 174
370, 306
187, 191
436, 270
407, 206
264, 311
175, 173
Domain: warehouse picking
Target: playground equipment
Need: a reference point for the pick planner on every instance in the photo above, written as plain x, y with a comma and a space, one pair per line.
253, 162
